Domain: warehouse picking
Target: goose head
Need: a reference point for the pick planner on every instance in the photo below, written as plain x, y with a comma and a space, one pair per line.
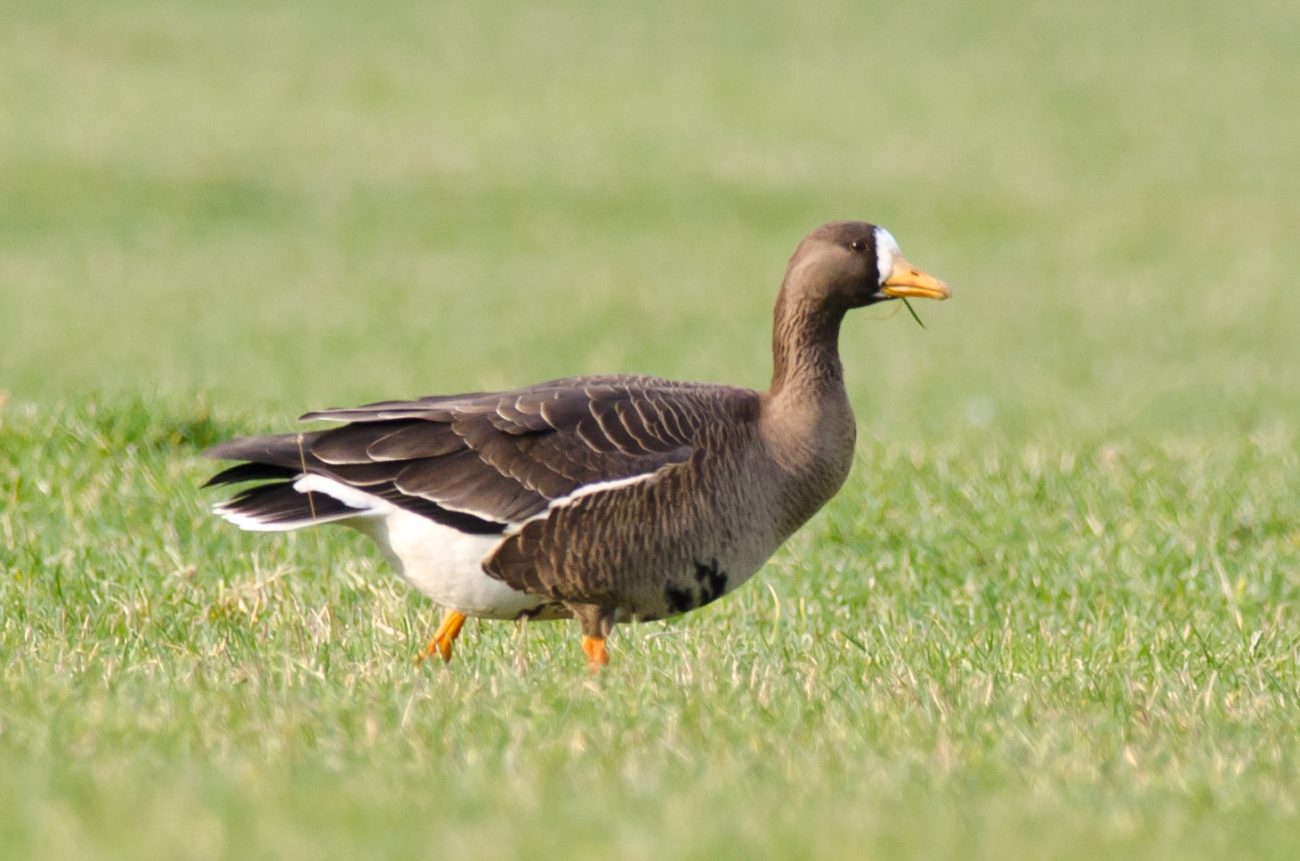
851, 264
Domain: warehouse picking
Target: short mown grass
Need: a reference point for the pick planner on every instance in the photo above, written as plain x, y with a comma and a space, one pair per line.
1052, 614
981, 648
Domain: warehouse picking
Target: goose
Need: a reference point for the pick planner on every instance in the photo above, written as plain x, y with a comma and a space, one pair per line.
596, 498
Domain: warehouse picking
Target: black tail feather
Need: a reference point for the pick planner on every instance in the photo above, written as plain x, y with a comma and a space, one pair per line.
250, 472
292, 450
279, 504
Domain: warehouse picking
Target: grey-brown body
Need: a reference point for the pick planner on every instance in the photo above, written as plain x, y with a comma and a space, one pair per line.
599, 497
694, 531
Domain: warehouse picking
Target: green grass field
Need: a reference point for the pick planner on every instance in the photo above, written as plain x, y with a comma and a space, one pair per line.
1053, 613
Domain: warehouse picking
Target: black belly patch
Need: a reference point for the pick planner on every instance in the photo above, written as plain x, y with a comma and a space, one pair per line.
679, 600
710, 585
712, 580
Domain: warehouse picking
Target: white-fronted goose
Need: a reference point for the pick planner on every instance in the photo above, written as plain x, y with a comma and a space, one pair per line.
601, 498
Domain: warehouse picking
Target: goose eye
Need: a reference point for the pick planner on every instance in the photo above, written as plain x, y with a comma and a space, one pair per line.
858, 245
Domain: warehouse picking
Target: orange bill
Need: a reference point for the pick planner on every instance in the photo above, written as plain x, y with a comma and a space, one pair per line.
907, 281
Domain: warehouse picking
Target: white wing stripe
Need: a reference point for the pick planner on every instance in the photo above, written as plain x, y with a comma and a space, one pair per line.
583, 491
599, 487
365, 503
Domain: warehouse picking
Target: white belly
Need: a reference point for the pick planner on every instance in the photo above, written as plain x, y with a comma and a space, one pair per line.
441, 562
445, 564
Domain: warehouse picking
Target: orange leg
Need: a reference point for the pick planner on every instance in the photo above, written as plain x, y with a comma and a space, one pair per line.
597, 654
452, 622
597, 622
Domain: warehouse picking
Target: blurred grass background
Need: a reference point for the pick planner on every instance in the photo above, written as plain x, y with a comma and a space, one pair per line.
1068, 557
285, 205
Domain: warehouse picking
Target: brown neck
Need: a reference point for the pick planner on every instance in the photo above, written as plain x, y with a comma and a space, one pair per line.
805, 347
808, 428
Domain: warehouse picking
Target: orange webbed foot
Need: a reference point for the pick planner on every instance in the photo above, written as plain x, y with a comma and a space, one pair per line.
452, 622
597, 654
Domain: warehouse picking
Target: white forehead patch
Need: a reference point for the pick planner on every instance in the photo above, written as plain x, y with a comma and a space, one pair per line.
886, 252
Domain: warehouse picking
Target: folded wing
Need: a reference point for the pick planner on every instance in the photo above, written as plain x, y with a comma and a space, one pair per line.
479, 462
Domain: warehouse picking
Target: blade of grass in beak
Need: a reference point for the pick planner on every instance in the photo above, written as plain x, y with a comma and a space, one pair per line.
912, 311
